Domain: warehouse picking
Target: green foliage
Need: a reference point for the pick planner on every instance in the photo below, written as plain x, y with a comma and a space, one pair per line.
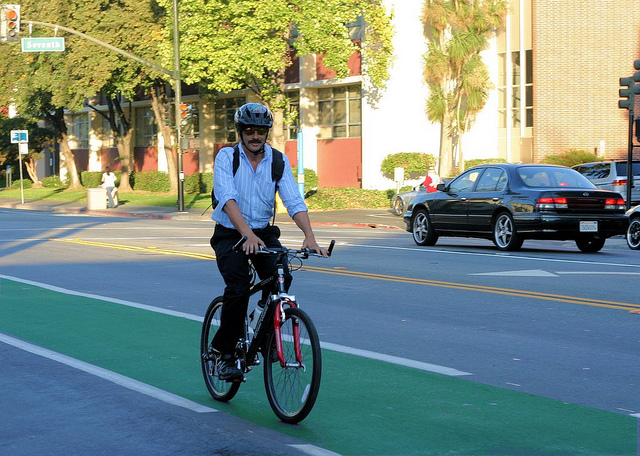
198, 183
26, 183
233, 44
347, 198
310, 178
571, 157
53, 182
482, 161
151, 181
415, 164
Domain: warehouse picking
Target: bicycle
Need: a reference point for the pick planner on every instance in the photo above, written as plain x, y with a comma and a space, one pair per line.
284, 335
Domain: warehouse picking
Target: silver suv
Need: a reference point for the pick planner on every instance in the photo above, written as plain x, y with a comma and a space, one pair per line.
612, 175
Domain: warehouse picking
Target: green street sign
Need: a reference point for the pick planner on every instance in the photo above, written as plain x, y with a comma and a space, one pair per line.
49, 44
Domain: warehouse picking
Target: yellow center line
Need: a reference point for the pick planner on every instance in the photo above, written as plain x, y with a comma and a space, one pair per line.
385, 277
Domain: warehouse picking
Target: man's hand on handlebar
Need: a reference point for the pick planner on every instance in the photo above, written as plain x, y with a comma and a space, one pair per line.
312, 245
252, 244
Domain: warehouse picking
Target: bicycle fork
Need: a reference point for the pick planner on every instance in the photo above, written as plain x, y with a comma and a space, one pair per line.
278, 320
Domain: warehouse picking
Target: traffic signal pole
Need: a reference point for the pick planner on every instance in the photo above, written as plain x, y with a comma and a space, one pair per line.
175, 75
627, 93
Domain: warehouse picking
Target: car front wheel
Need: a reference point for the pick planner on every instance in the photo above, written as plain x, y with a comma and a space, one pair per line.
423, 233
504, 233
398, 206
633, 234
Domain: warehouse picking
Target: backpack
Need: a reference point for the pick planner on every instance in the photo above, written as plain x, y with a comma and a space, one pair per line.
277, 168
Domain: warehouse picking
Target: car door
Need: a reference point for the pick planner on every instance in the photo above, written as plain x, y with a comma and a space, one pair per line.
448, 209
487, 195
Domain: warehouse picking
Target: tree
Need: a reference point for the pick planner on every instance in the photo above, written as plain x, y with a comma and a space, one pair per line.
39, 138
458, 80
230, 45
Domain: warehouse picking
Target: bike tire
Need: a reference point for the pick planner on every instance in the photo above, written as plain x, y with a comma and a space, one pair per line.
292, 391
220, 390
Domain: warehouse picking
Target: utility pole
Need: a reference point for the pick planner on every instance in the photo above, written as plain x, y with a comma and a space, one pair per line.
178, 102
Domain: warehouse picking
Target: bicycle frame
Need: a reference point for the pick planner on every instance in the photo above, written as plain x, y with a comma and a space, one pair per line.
274, 313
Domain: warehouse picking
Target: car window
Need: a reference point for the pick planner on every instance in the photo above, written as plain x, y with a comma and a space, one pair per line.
621, 168
595, 170
541, 177
492, 180
465, 182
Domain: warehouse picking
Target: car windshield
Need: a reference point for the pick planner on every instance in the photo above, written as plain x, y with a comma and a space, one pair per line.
548, 177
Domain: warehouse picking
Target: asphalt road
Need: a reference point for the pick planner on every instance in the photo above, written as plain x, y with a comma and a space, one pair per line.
545, 330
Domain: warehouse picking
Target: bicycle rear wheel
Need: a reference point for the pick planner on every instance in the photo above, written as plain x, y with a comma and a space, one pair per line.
221, 390
292, 390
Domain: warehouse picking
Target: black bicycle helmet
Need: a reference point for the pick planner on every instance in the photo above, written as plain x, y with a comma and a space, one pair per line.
254, 114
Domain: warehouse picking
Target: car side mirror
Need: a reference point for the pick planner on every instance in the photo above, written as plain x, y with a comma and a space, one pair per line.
440, 187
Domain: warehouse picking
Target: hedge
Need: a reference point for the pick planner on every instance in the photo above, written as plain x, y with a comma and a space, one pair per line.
151, 181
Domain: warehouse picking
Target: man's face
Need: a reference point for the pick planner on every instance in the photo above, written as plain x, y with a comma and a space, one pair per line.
254, 137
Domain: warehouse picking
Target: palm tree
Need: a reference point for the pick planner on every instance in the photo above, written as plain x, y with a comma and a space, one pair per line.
457, 31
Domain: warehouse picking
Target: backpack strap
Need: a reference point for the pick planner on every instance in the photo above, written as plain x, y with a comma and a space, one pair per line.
277, 166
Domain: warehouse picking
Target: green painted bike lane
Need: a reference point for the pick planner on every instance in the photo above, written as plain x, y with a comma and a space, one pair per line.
365, 407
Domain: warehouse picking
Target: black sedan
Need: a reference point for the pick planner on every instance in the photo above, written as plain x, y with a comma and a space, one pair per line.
509, 203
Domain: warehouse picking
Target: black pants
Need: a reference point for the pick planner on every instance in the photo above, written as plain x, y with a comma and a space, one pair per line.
234, 268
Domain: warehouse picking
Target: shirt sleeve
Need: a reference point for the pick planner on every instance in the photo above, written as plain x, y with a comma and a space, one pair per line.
289, 191
223, 184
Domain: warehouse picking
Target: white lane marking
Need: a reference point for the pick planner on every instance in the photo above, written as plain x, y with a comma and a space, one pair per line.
328, 345
394, 360
523, 273
500, 255
598, 272
313, 450
108, 375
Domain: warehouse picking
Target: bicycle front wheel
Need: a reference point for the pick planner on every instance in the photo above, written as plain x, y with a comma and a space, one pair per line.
292, 390
220, 390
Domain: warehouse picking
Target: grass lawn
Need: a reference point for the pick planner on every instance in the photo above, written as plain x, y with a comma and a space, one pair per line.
136, 198
320, 199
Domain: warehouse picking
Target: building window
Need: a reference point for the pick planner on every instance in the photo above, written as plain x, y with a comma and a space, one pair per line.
225, 129
108, 138
340, 112
513, 107
146, 129
78, 128
292, 116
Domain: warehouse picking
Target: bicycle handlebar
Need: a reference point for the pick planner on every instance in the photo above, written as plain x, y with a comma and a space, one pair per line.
304, 252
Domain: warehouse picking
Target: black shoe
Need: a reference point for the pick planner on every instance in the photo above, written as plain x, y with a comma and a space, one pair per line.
228, 369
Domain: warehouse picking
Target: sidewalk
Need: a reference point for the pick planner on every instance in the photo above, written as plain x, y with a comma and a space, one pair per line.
359, 218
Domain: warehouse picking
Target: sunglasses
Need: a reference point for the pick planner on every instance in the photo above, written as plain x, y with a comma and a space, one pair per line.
249, 131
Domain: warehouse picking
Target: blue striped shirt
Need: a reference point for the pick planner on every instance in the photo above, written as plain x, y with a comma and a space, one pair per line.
253, 191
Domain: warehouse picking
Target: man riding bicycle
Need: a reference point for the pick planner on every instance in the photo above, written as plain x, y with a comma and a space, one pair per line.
246, 201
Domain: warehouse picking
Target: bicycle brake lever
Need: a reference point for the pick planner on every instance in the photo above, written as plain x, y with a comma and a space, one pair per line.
236, 248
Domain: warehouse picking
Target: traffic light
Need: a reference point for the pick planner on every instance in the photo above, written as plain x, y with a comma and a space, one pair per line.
184, 114
165, 109
9, 22
627, 93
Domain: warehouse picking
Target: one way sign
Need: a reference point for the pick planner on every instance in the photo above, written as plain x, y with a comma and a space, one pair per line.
19, 136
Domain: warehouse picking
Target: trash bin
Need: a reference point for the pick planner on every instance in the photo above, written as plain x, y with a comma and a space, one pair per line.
96, 199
